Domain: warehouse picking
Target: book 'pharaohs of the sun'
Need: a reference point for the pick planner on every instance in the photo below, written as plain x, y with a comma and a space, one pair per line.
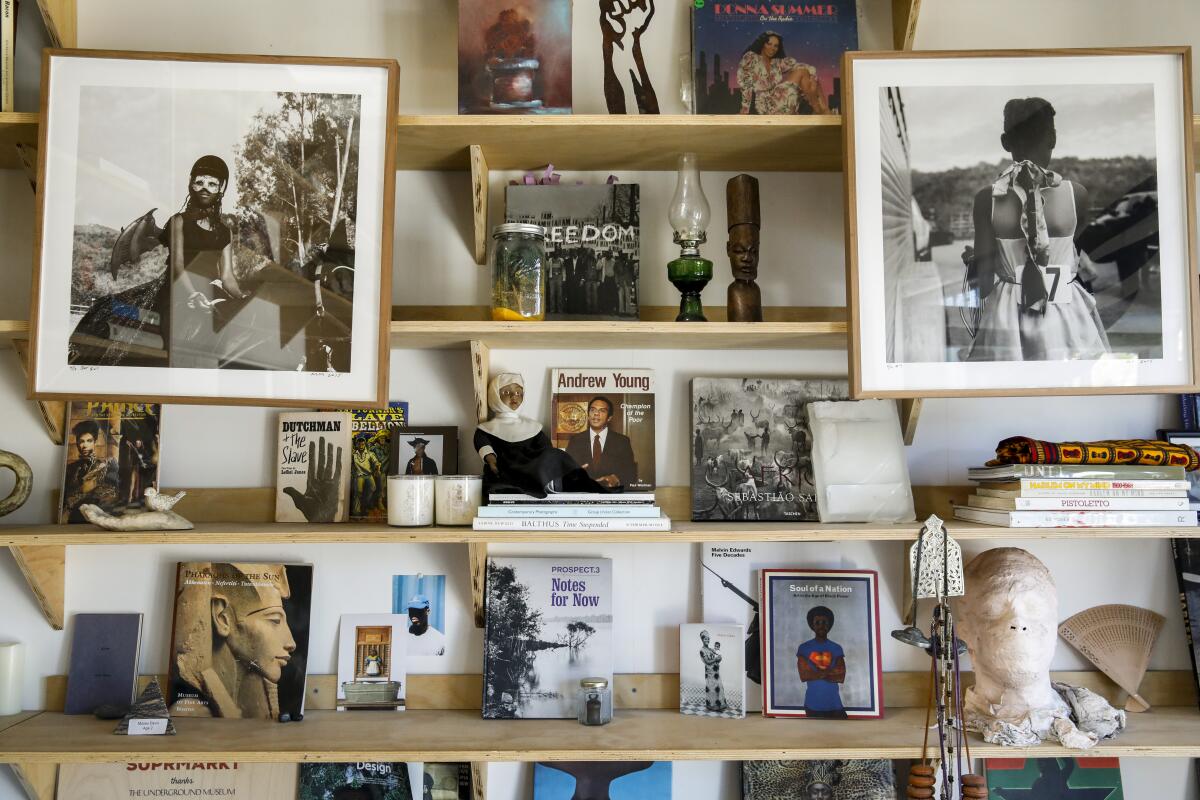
549, 625
239, 646
514, 56
604, 419
752, 447
593, 246
371, 440
111, 458
770, 58
313, 460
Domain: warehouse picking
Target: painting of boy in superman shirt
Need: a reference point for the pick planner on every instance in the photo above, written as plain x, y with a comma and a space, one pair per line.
821, 663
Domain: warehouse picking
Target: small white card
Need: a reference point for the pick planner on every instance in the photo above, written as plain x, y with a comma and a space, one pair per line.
147, 727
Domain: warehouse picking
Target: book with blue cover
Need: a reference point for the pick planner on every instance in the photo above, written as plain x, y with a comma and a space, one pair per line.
104, 661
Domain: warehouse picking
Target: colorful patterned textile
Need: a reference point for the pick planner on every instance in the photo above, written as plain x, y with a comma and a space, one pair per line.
1023, 450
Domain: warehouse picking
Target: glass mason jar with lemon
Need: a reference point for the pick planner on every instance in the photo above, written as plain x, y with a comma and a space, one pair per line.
519, 272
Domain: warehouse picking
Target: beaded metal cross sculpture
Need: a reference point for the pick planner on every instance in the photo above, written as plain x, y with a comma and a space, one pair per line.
937, 570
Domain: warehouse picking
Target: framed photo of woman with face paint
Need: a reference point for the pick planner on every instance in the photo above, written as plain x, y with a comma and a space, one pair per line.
214, 229
239, 645
1020, 222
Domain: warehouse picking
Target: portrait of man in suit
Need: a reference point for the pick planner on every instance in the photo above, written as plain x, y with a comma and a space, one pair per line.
605, 454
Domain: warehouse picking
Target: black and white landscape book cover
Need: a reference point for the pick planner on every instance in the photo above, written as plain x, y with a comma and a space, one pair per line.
752, 447
593, 246
549, 624
712, 671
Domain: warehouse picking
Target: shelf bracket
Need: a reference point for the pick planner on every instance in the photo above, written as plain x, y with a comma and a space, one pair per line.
904, 23
38, 780
479, 202
28, 156
479, 771
60, 18
54, 412
910, 415
481, 366
477, 554
45, 568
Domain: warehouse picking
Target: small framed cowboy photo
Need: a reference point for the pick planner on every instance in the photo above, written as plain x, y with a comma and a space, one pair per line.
1020, 222
214, 229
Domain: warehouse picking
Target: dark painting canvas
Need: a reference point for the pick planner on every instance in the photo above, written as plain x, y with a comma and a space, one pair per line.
514, 56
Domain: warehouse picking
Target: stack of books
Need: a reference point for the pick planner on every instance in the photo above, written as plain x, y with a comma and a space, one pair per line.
572, 511
1078, 496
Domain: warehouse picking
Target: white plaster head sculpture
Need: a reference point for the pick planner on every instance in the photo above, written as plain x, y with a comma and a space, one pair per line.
1009, 620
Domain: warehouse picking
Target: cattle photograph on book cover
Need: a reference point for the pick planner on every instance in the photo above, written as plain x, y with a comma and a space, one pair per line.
820, 648
604, 419
769, 58
224, 237
593, 246
239, 643
548, 626
1011, 232
752, 447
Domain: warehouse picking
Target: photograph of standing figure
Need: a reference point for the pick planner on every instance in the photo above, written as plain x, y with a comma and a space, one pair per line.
1020, 221
712, 675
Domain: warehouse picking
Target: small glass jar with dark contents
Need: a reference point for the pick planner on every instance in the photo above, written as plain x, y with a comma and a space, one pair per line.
595, 702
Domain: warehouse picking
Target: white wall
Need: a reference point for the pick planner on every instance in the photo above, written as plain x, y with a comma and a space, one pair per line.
802, 264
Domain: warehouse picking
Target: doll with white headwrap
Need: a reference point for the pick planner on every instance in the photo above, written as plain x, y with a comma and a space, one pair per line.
517, 454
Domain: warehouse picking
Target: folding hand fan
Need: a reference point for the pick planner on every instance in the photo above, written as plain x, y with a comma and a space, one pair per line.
1118, 640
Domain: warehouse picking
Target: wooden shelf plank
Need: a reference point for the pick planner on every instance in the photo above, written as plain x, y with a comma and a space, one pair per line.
603, 335
464, 736
596, 142
443, 334
684, 531
16, 128
622, 142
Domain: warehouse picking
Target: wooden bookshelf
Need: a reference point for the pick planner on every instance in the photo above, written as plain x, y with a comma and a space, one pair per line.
455, 327
616, 142
270, 533
50, 737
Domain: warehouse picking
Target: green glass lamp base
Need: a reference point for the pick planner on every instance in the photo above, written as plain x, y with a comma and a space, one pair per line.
690, 274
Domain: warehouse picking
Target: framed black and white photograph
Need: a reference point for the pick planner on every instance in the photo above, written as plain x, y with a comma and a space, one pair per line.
214, 229
1020, 222
712, 670
820, 648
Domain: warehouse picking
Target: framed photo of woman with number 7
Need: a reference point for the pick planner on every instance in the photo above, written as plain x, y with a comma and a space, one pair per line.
1020, 222
214, 229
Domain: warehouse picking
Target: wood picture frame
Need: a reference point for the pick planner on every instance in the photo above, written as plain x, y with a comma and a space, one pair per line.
944, 106
264, 305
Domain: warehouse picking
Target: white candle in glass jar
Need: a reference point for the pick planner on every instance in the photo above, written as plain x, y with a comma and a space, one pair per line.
458, 499
12, 662
410, 500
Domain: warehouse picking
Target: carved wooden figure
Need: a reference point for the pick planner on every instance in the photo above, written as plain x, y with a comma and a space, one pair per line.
744, 300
